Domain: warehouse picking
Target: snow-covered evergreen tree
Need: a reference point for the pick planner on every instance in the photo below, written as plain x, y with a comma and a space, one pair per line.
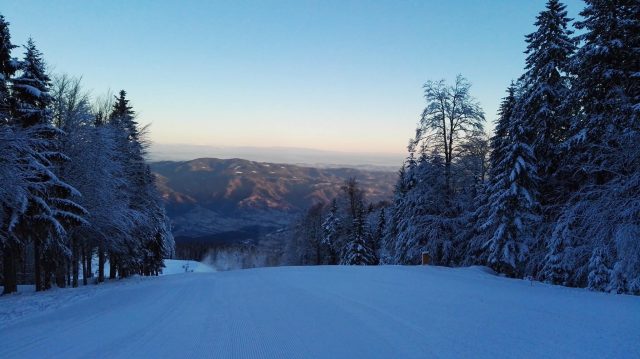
330, 233
50, 203
8, 66
513, 188
601, 162
499, 143
545, 85
13, 191
378, 233
388, 255
542, 105
598, 272
424, 223
357, 250
142, 247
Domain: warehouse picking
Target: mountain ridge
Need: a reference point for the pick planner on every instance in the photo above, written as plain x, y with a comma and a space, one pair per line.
210, 195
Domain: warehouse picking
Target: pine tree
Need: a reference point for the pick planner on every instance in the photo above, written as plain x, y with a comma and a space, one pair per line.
601, 162
499, 144
617, 280
598, 272
607, 84
546, 85
391, 232
8, 67
402, 244
553, 270
158, 240
50, 205
330, 233
424, 222
543, 107
513, 202
378, 234
125, 255
357, 250
13, 194
31, 90
141, 249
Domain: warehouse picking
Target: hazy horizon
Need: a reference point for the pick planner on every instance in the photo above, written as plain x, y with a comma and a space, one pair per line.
278, 154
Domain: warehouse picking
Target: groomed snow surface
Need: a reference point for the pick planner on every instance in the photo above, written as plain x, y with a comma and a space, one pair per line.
321, 312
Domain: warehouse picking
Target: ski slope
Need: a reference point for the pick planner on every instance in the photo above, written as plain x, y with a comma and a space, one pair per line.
322, 312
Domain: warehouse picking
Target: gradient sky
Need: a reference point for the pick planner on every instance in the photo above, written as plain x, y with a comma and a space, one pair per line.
335, 75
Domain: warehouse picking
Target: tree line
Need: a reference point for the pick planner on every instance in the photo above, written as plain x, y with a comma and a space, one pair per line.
553, 195
347, 231
74, 183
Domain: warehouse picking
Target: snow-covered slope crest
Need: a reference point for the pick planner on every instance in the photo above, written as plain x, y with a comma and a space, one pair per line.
329, 312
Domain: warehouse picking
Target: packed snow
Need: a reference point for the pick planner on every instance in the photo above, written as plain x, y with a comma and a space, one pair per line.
322, 312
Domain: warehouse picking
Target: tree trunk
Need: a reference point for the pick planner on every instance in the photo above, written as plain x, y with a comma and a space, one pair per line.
84, 266
60, 274
37, 265
68, 273
47, 265
112, 267
75, 260
89, 258
101, 262
10, 267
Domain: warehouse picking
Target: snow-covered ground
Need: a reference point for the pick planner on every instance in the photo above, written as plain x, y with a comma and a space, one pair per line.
172, 266
322, 312
176, 266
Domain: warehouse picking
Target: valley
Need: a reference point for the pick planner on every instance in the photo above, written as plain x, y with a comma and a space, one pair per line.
226, 202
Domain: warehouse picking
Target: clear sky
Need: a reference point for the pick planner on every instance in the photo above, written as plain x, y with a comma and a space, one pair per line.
334, 75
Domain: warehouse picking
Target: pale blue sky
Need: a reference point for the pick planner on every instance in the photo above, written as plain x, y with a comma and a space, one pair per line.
335, 75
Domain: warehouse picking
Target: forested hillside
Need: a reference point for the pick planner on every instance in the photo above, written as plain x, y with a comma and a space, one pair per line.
208, 195
73, 180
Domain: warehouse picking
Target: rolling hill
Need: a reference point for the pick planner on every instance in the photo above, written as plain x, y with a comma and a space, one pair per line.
219, 198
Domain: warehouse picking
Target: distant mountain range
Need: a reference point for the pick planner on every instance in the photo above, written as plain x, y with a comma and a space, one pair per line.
289, 155
224, 198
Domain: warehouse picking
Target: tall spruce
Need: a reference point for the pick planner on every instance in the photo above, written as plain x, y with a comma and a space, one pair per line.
543, 106
330, 233
8, 67
357, 250
499, 144
602, 160
545, 85
512, 202
50, 205
13, 194
388, 255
